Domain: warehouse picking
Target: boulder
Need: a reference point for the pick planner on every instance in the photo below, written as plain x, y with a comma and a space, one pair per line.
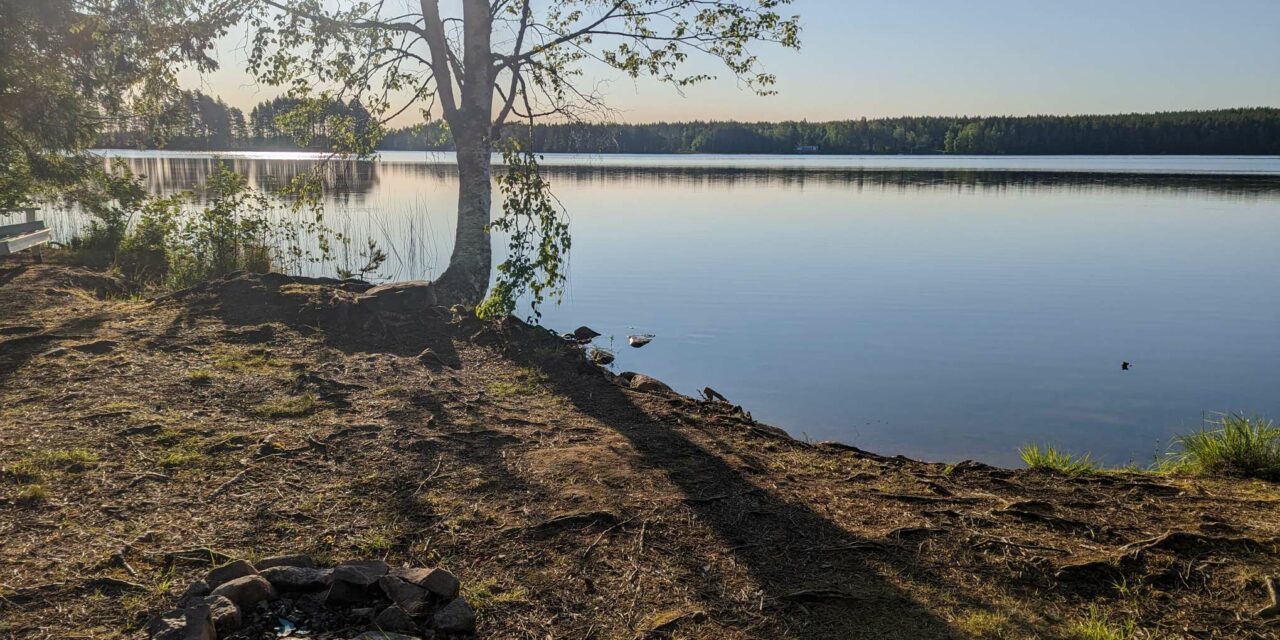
643, 383
361, 572
585, 334
285, 578
196, 589
225, 614
440, 583
342, 593
295, 560
229, 572
167, 625
199, 624
246, 591
410, 597
399, 297
394, 618
455, 617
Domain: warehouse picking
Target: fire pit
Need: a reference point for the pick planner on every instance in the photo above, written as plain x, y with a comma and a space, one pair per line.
290, 597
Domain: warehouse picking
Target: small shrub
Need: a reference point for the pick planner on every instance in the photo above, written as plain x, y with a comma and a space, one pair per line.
1048, 457
111, 198
144, 252
1232, 445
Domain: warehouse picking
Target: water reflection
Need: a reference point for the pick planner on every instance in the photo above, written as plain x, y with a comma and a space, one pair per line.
943, 312
347, 181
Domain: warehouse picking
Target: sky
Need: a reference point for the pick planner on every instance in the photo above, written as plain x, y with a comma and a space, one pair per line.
881, 58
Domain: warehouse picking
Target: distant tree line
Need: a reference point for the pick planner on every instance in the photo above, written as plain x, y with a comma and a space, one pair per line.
195, 121
210, 124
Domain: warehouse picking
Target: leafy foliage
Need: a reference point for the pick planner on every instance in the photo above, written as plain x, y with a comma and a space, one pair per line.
229, 234
69, 66
538, 238
177, 240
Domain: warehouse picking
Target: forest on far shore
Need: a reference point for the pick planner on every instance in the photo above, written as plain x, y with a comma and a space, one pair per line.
201, 122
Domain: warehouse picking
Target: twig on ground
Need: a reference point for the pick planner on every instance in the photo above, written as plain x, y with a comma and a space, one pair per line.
226, 485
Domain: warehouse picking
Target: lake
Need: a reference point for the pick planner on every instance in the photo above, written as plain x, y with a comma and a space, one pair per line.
938, 307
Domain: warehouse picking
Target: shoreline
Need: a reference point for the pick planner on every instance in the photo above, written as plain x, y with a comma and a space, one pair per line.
251, 417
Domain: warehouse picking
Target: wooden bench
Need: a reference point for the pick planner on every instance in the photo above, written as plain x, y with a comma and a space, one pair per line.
23, 235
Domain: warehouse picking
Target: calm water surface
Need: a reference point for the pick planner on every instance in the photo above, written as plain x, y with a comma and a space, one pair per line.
937, 307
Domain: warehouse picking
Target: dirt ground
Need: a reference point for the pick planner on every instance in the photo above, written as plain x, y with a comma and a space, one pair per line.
142, 439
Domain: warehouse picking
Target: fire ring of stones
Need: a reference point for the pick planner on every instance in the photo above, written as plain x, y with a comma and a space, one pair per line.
288, 596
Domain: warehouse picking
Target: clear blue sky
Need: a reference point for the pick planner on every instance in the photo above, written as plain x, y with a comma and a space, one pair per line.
943, 57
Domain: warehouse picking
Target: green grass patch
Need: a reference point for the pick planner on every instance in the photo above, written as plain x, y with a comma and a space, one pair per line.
233, 359
1096, 627
1048, 457
200, 377
51, 460
292, 407
119, 406
1232, 445
33, 494
488, 594
182, 457
987, 625
375, 544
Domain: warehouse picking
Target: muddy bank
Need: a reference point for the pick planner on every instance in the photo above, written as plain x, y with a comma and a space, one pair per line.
144, 440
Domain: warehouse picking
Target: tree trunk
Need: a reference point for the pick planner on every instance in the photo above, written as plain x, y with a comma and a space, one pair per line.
467, 278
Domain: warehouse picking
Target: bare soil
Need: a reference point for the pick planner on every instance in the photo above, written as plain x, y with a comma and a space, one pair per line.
143, 439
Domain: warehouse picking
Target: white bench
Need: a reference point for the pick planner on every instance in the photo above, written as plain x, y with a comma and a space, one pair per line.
23, 235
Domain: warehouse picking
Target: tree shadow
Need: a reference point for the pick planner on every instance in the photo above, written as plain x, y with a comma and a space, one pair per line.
247, 300
16, 352
806, 566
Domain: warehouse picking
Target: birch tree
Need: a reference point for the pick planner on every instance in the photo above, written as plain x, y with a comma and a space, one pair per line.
481, 64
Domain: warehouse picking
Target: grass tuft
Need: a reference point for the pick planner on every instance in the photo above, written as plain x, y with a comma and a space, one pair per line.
488, 594
987, 625
33, 494
1047, 457
1232, 445
51, 459
181, 457
200, 377
293, 407
1096, 627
